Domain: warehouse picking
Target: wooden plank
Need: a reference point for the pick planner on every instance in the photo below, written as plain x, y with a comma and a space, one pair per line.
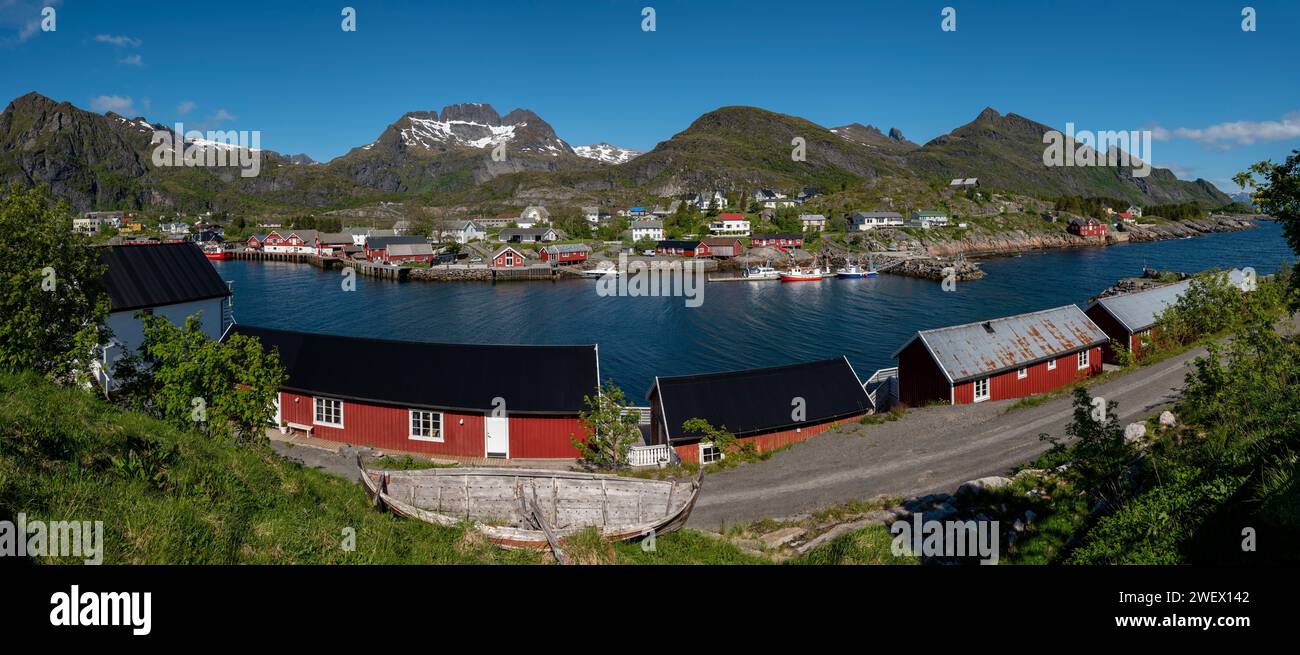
550, 533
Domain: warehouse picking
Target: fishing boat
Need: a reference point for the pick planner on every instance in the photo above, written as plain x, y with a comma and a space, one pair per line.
217, 251
762, 273
798, 274
850, 272
530, 508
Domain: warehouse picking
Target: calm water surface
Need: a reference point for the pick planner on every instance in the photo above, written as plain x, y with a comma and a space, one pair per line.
739, 325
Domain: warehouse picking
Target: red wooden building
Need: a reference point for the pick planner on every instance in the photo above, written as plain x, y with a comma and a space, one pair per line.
687, 248
723, 247
783, 240
1087, 228
1003, 358
768, 407
1130, 319
507, 257
376, 248
431, 398
566, 253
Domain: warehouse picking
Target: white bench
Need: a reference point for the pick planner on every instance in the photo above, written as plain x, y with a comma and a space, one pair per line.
284, 429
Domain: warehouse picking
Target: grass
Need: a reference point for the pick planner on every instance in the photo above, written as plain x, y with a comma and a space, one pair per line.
872, 545
406, 463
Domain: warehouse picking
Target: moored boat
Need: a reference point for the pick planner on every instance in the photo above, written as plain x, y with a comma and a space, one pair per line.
528, 508
217, 251
850, 272
799, 274
762, 273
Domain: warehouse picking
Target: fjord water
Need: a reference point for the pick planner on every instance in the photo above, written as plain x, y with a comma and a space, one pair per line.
739, 325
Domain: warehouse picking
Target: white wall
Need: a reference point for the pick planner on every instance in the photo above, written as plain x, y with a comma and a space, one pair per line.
128, 330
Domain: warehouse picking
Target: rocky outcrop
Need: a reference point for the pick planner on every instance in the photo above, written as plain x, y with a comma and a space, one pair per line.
936, 269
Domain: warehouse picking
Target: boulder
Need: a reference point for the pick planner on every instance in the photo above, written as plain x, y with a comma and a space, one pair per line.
1167, 419
983, 484
1134, 433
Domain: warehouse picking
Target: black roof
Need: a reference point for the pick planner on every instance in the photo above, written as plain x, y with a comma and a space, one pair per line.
382, 243
679, 243
446, 376
159, 274
761, 400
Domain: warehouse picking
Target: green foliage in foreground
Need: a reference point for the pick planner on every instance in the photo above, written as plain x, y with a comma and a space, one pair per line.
169, 497
51, 297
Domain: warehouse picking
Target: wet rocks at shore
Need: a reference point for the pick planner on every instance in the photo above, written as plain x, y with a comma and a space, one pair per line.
936, 269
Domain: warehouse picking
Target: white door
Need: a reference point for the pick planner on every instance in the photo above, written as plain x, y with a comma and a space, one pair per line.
497, 433
277, 409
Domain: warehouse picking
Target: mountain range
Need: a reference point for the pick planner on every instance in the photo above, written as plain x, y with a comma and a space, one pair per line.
469, 152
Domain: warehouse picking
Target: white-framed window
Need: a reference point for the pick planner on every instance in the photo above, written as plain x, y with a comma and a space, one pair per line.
981, 390
426, 425
1022, 373
1083, 359
329, 412
709, 454
1051, 364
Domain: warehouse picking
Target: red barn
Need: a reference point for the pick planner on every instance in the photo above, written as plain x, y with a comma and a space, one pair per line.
376, 248
437, 399
507, 257
255, 241
1088, 228
783, 240
768, 407
723, 247
1003, 358
566, 253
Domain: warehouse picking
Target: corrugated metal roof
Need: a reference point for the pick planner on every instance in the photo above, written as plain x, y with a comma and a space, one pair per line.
976, 350
1139, 310
567, 248
409, 249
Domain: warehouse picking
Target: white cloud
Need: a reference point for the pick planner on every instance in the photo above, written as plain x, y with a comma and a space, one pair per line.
1225, 135
132, 60
222, 116
118, 40
119, 104
186, 107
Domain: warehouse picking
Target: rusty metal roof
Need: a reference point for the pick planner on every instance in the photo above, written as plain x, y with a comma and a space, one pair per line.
976, 350
1139, 310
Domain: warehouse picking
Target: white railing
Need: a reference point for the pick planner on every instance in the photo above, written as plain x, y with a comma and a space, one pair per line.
886, 379
660, 455
643, 414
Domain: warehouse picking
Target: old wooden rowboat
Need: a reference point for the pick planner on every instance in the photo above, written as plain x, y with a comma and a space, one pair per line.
516, 508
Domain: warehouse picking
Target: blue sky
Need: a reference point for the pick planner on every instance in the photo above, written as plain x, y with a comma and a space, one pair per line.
1224, 97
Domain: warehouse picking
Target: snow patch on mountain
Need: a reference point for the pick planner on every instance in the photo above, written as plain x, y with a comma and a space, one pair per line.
606, 153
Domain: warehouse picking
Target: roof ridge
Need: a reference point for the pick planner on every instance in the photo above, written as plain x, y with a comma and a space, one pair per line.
779, 367
1000, 318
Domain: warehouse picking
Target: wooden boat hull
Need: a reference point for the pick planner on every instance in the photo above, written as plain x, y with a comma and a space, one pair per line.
497, 502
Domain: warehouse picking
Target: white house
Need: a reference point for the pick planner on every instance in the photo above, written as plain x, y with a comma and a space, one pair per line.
647, 230
733, 225
173, 280
815, 222
87, 225
301, 242
928, 219
863, 221
463, 231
